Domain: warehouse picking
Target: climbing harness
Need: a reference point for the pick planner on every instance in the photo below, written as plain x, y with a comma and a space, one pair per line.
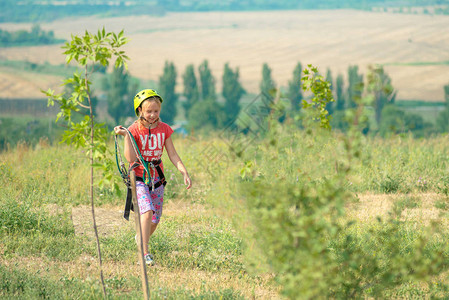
147, 165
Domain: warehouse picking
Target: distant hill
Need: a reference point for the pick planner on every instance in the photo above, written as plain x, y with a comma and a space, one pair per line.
39, 11
413, 48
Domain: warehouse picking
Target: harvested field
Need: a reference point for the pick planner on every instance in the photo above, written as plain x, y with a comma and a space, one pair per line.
415, 48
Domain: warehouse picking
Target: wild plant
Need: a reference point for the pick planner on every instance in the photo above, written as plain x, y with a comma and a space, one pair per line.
88, 51
293, 208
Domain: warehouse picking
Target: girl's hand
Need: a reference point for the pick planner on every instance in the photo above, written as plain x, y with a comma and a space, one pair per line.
119, 130
187, 181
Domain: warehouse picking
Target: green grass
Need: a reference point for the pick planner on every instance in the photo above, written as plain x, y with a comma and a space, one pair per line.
405, 202
204, 247
17, 283
39, 187
212, 246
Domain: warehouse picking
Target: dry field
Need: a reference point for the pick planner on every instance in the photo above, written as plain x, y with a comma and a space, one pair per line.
327, 39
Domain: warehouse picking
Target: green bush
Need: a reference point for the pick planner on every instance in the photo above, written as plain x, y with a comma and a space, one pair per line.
376, 259
396, 121
45, 68
313, 249
293, 190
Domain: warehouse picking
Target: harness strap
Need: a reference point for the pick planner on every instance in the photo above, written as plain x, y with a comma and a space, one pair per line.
162, 181
156, 164
128, 204
129, 196
121, 165
143, 162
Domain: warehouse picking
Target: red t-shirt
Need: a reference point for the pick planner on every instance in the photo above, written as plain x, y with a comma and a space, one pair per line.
150, 148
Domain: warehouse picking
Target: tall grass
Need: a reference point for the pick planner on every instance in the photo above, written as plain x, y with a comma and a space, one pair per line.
41, 185
273, 210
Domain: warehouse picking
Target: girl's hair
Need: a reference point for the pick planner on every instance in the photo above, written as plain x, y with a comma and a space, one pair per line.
156, 98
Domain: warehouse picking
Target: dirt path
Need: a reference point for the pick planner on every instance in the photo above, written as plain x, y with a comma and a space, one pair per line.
371, 206
108, 220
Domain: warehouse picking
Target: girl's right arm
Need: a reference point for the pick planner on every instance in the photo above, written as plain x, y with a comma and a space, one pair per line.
130, 155
129, 150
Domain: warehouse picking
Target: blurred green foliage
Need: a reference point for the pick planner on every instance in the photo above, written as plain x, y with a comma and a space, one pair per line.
27, 129
292, 195
36, 36
294, 192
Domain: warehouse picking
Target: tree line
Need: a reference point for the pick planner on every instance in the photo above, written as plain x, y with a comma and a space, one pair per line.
205, 108
41, 11
201, 106
36, 36
248, 5
34, 10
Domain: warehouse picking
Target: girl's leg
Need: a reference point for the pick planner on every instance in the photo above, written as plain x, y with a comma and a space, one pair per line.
151, 204
147, 228
153, 228
146, 209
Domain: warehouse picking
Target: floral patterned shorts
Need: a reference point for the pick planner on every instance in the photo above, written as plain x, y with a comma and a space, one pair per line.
150, 200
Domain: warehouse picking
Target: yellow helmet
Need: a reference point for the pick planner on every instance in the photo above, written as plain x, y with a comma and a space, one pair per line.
142, 96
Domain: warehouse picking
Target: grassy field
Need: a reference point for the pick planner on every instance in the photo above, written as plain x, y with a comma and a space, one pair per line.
207, 246
412, 47
47, 238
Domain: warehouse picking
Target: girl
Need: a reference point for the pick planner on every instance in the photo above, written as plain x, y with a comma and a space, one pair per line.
147, 106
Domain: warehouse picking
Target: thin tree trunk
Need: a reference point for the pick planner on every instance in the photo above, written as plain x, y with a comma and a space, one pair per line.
92, 186
143, 268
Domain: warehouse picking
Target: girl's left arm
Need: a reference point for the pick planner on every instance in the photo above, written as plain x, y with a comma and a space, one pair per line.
176, 161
